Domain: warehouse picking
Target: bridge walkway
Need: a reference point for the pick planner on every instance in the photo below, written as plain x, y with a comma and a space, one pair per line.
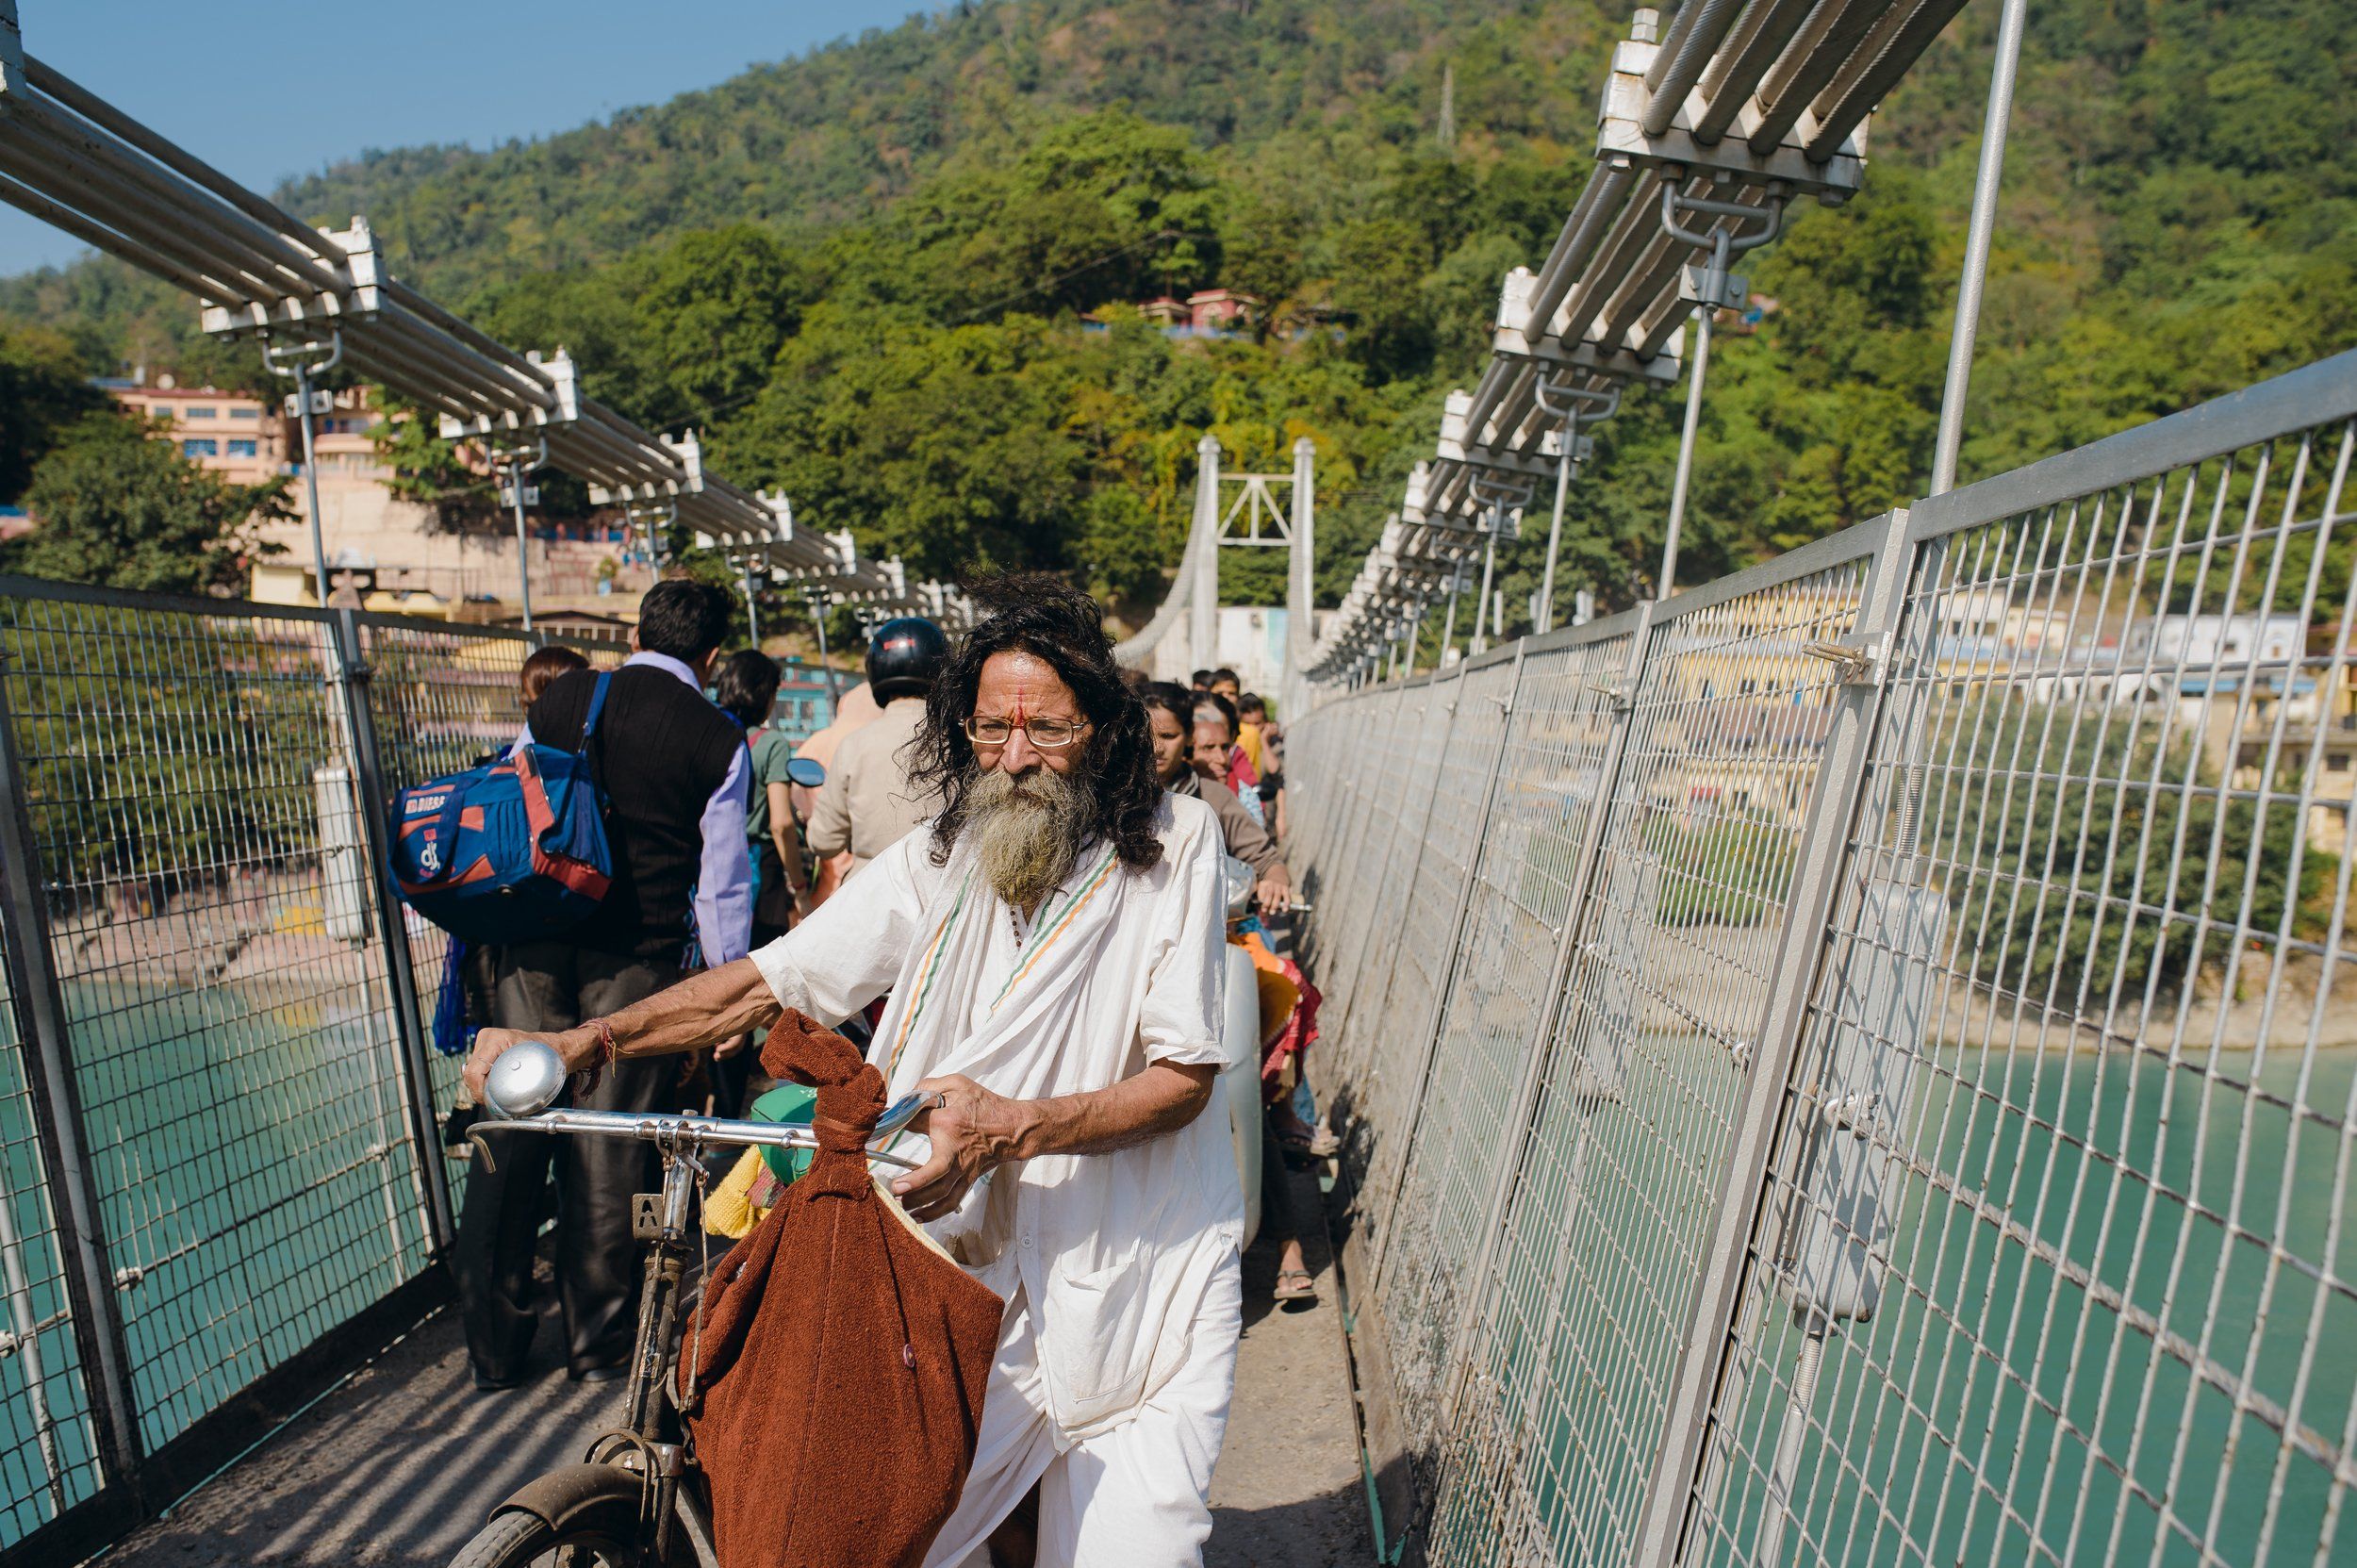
396, 1466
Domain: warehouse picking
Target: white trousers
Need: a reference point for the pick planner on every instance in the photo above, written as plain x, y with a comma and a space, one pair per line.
1136, 1497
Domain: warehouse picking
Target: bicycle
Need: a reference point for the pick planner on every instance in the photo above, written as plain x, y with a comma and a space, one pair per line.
635, 1500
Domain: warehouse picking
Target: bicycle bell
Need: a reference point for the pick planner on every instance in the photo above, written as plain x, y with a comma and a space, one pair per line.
525, 1081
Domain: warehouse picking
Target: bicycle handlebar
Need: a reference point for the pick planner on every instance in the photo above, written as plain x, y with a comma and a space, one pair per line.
672, 1129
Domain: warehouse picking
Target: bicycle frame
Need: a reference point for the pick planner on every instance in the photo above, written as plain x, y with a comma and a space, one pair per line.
640, 1445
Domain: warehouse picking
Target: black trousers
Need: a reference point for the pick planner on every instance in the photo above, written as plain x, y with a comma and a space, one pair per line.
1277, 1189
554, 985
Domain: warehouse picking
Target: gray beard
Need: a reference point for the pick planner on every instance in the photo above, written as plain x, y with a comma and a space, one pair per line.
1027, 832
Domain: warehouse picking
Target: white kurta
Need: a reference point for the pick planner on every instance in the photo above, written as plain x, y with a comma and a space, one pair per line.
1119, 1269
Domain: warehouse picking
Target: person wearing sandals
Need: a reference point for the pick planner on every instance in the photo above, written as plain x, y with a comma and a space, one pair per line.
1170, 712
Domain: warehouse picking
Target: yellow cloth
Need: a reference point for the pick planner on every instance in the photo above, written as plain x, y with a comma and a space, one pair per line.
1250, 741
1279, 994
730, 1211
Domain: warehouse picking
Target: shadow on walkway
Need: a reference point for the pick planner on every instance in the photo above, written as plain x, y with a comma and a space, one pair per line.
401, 1465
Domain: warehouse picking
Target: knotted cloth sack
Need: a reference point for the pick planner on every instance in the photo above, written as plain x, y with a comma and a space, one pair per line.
838, 1387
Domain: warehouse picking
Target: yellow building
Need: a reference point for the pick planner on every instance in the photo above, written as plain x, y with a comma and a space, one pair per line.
383, 551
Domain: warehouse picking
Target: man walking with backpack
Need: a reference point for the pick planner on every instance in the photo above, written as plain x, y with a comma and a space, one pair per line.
673, 773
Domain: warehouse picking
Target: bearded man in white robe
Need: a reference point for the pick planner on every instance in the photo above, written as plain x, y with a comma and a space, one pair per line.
1052, 947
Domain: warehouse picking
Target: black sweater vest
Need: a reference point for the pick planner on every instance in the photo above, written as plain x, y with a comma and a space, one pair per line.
661, 750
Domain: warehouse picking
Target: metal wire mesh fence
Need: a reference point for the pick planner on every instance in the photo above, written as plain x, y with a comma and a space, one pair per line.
207, 888
215, 1124
1890, 1094
441, 699
48, 1461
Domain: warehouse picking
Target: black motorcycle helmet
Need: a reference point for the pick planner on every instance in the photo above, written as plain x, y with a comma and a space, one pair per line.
903, 656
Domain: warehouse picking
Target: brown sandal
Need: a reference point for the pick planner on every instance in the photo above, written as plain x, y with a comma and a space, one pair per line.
1307, 1290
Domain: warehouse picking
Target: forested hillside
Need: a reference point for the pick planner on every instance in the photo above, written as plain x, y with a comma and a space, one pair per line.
861, 271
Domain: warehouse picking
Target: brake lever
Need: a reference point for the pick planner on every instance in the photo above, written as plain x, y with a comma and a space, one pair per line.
903, 1111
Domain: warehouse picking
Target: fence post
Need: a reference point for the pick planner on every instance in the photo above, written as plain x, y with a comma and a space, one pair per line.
393, 921
1697, 1379
57, 1109
1524, 1105
1445, 981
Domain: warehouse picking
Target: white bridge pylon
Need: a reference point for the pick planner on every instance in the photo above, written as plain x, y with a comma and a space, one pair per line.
1236, 511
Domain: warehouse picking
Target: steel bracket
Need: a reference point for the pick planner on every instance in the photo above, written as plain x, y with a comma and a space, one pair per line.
1578, 405
1694, 286
1542, 344
1582, 447
351, 251
1621, 137
1863, 659
1486, 461
566, 383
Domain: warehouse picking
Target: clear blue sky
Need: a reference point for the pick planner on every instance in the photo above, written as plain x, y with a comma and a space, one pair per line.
265, 90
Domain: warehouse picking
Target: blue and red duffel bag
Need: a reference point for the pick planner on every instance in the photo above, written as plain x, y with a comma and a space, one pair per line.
511, 851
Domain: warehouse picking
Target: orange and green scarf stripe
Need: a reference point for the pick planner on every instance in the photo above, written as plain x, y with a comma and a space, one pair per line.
1046, 936
926, 972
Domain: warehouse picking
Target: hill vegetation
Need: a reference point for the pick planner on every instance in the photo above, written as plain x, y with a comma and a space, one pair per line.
863, 272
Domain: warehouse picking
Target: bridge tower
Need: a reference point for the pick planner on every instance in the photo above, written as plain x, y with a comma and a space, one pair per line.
1237, 511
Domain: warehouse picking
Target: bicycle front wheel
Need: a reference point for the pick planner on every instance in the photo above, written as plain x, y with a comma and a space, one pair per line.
516, 1539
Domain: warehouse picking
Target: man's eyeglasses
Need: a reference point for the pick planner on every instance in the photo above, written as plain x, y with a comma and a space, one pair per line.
1048, 734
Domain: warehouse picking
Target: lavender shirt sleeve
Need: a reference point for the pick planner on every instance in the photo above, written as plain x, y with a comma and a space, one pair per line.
724, 887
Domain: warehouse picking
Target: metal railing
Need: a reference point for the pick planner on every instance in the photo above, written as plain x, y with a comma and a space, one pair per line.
1858, 1062
217, 1099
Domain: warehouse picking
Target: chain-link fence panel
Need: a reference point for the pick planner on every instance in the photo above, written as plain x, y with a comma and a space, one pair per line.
1416, 889
1377, 806
48, 1452
1539, 849
442, 699
1424, 1084
186, 775
2057, 1261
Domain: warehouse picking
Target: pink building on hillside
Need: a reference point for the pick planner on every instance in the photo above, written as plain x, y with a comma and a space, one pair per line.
1220, 310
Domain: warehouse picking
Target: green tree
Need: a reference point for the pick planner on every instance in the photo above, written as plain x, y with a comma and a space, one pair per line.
433, 472
43, 391
116, 507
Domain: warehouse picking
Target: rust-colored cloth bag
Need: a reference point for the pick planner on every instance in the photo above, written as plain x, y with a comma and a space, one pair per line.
839, 1386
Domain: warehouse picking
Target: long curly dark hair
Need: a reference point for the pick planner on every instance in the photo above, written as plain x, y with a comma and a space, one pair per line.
1044, 616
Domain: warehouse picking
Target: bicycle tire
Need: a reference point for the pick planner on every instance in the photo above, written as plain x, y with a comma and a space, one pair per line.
517, 1540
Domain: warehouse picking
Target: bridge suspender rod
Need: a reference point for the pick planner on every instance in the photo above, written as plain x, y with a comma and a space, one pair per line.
1985, 181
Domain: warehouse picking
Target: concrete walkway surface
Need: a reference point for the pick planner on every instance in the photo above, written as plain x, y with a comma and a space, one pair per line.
402, 1464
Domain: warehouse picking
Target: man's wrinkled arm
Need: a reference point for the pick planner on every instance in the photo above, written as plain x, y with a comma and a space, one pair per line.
973, 1129
828, 967
1163, 1098
702, 1009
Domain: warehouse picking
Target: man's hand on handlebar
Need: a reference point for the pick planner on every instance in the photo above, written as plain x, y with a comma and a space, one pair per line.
1275, 893
972, 1130
576, 1048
